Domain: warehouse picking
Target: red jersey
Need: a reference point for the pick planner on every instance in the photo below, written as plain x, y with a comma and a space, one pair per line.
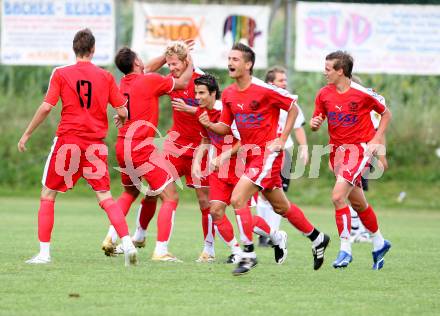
220, 142
256, 110
348, 114
85, 91
143, 92
186, 124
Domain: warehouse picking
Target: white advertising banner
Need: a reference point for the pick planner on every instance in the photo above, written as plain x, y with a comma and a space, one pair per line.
213, 27
36, 32
395, 39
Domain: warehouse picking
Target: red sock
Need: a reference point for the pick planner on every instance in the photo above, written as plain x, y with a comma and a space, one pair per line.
205, 223
343, 222
115, 215
244, 221
45, 219
261, 227
225, 229
165, 220
297, 218
146, 212
369, 219
125, 201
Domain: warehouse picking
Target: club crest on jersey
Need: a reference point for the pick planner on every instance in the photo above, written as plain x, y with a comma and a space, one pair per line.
353, 106
254, 105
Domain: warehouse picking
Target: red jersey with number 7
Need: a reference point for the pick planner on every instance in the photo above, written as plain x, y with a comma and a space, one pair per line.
85, 91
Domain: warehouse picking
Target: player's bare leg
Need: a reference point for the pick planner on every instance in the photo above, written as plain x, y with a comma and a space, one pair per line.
281, 205
239, 201
45, 226
208, 253
165, 223
368, 218
225, 230
117, 219
124, 201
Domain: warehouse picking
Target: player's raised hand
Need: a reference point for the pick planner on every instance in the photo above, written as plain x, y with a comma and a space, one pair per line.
22, 143
190, 43
204, 119
316, 122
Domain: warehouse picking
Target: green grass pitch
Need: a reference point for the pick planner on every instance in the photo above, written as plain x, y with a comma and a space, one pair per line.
82, 281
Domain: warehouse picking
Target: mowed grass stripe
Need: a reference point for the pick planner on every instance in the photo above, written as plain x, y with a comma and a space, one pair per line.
100, 285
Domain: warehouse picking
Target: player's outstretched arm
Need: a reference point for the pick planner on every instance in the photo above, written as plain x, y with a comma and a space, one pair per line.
39, 117
154, 64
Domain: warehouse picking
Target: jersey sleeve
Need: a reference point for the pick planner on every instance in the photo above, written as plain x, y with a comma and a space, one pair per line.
116, 98
161, 84
377, 102
319, 106
281, 98
227, 116
54, 89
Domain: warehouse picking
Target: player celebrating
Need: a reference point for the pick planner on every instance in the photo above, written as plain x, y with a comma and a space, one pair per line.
183, 138
347, 106
136, 152
223, 163
255, 108
277, 76
78, 149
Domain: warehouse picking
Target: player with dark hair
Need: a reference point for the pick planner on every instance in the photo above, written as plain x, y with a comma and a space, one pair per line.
255, 107
78, 149
347, 106
225, 168
181, 143
136, 154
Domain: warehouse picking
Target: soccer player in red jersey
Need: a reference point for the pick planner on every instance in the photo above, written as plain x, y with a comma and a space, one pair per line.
137, 155
255, 107
347, 106
225, 167
78, 149
183, 138
277, 76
